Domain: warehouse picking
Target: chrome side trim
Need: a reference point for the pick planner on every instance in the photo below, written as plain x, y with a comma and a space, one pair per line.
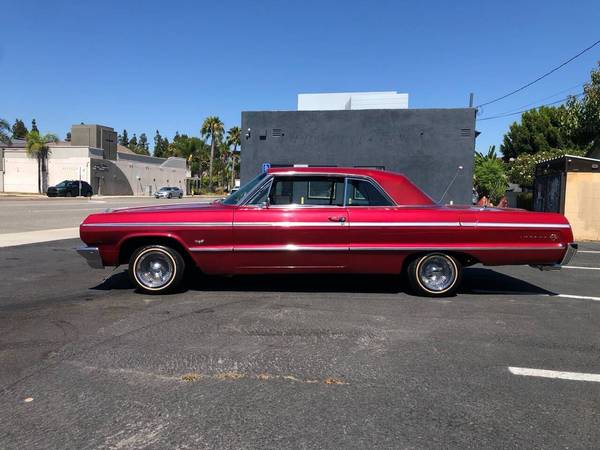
289, 224
456, 248
514, 225
404, 224
211, 249
92, 256
291, 248
326, 248
326, 224
158, 224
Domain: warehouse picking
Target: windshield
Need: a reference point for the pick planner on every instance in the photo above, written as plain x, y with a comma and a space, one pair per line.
237, 197
164, 189
62, 184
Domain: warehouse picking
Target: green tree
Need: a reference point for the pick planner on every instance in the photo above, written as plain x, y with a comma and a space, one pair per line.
541, 129
161, 146
489, 176
124, 139
234, 139
37, 147
19, 130
142, 146
213, 128
522, 169
133, 143
584, 116
34, 126
4, 130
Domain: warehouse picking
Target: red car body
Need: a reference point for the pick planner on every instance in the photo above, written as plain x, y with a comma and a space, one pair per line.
250, 239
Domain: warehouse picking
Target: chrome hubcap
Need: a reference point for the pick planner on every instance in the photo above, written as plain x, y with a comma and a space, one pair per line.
437, 273
154, 269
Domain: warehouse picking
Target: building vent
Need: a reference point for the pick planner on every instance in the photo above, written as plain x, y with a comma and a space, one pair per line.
276, 132
466, 132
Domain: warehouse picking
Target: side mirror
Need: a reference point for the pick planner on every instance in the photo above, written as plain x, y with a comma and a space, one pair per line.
265, 204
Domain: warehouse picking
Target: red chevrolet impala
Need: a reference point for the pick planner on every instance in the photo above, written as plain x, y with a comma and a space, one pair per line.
323, 220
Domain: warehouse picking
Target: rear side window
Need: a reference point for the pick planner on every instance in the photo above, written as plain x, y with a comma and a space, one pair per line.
315, 190
364, 193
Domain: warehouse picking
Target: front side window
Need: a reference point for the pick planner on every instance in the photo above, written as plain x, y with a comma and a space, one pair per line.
307, 190
239, 195
364, 193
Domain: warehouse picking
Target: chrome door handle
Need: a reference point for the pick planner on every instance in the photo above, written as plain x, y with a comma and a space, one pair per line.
337, 219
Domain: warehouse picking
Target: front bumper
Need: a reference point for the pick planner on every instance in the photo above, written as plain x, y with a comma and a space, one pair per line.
571, 251
92, 256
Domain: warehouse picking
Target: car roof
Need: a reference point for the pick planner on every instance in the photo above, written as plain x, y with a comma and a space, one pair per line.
400, 188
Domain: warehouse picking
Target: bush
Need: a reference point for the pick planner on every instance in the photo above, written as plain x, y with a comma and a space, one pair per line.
522, 169
525, 200
490, 178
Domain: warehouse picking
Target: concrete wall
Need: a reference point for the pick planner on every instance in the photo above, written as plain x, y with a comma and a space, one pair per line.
20, 172
427, 145
582, 200
129, 176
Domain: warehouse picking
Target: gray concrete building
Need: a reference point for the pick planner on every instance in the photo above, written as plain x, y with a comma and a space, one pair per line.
427, 145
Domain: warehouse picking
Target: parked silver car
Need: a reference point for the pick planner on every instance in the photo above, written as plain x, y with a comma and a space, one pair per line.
169, 192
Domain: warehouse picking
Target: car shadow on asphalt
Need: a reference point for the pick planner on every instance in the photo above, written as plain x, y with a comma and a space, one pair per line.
476, 281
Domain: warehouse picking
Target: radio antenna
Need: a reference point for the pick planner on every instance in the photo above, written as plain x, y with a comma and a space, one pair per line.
458, 169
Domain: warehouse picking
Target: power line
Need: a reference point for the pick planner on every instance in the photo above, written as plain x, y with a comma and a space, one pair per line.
536, 102
530, 109
541, 77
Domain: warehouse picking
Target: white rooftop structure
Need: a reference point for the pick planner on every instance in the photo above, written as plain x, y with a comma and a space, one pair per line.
352, 100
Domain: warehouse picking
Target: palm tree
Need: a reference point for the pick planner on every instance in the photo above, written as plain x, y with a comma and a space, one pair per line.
4, 130
233, 138
212, 127
37, 147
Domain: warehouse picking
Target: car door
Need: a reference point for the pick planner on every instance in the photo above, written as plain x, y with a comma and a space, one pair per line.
296, 224
372, 234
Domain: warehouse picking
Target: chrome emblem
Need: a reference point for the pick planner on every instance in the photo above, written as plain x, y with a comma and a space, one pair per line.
553, 237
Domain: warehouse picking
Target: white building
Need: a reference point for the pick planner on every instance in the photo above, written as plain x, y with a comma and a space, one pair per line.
352, 100
116, 171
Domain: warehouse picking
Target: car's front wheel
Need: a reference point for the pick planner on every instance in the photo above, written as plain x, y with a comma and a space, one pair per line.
156, 269
434, 275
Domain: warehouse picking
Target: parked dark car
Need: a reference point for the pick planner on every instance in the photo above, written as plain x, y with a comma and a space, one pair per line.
70, 188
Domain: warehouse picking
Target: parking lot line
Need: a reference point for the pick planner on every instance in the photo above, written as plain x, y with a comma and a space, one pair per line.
575, 376
589, 251
581, 267
578, 297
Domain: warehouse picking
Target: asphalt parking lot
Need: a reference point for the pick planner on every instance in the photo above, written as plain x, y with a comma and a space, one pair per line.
299, 362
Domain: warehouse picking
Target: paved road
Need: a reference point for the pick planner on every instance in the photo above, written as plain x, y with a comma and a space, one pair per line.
300, 362
25, 214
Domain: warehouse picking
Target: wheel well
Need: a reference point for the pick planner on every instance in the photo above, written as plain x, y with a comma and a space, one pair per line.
132, 244
463, 258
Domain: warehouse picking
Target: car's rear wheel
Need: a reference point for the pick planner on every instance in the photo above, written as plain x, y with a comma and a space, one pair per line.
156, 269
434, 275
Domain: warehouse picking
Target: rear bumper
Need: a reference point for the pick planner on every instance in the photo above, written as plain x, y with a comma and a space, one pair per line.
571, 251
92, 256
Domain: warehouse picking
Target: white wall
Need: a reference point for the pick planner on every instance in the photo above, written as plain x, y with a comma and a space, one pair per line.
20, 172
352, 100
60, 169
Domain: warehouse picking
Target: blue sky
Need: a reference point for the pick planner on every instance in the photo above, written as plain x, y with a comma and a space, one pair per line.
143, 65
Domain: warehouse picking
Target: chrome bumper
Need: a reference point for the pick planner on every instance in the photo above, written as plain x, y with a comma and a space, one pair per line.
571, 251
92, 256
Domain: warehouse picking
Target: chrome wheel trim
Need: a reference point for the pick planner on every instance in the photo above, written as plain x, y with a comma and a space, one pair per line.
154, 269
437, 273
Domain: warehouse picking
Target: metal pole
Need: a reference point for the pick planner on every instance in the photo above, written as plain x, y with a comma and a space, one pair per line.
471, 98
79, 181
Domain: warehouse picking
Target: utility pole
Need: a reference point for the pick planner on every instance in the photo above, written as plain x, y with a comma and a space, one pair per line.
471, 98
